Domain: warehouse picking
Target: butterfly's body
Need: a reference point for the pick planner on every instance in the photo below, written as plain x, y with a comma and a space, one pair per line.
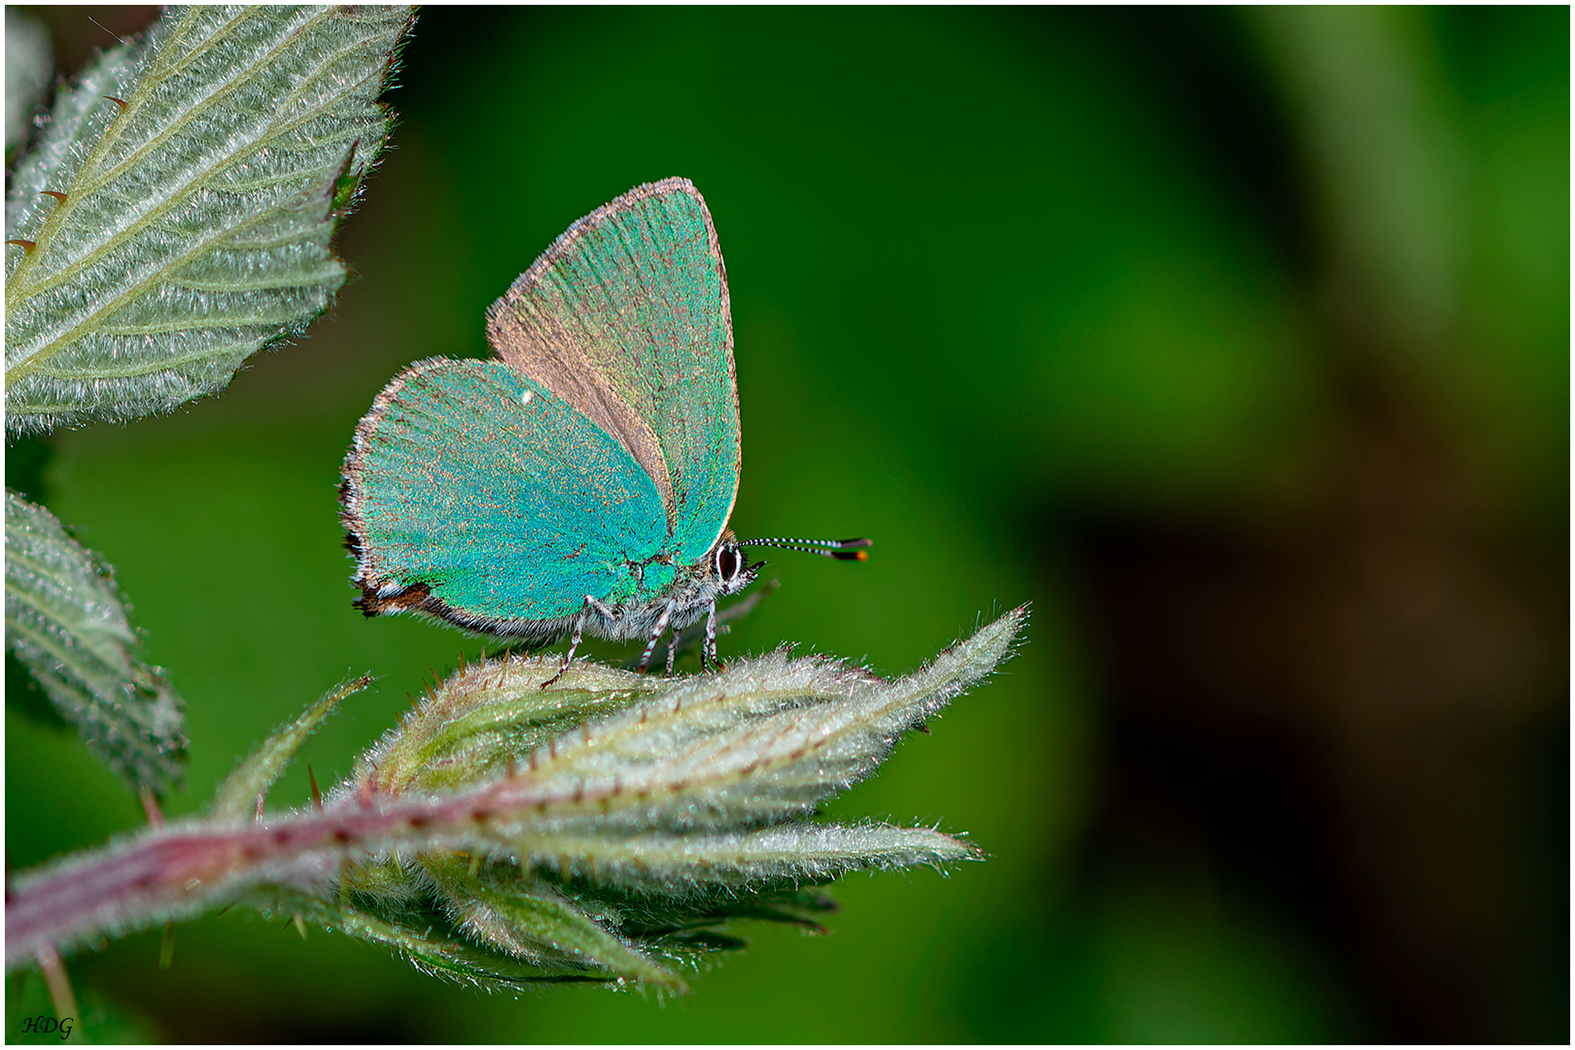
582, 482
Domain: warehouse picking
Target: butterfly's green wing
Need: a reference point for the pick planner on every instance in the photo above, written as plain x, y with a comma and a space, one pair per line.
476, 495
626, 319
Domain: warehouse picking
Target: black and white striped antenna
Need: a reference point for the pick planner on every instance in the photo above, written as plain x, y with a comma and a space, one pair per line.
842, 550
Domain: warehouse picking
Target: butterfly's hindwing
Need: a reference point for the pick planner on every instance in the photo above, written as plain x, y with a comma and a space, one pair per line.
506, 505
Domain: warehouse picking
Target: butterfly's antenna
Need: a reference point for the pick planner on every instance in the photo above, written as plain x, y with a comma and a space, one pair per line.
842, 550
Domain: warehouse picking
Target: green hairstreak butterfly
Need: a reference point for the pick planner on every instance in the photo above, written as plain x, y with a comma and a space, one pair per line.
581, 481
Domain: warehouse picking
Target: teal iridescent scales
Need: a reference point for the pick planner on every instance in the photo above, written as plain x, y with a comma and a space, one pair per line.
584, 479
626, 317
538, 508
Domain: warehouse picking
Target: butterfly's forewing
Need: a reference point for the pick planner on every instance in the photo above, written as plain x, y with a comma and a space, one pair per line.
474, 494
626, 318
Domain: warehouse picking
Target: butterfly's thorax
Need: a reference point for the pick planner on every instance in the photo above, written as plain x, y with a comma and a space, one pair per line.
691, 594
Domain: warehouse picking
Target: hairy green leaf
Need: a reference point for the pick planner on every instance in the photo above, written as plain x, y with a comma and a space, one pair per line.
492, 712
678, 805
532, 922
65, 623
744, 860
420, 936
243, 790
178, 207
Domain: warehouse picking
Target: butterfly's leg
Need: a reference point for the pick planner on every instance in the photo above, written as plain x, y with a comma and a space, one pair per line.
661, 625
672, 651
710, 637
574, 639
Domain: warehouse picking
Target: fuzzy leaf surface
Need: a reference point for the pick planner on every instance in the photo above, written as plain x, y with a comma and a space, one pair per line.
765, 740
535, 924
676, 806
257, 773
195, 221
65, 622
741, 861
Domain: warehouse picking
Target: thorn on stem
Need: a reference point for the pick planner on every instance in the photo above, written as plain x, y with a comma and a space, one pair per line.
150, 806
61, 197
317, 796
118, 101
26, 245
167, 946
61, 997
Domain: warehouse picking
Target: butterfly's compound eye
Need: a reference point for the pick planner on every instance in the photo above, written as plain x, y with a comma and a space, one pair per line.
728, 563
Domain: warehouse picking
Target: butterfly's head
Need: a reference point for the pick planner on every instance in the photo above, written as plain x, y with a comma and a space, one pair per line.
732, 568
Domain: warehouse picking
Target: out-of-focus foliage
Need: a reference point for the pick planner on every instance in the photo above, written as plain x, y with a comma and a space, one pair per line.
28, 63
1237, 341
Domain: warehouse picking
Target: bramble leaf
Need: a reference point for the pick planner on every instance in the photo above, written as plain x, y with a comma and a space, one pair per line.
597, 852
239, 795
66, 624
176, 210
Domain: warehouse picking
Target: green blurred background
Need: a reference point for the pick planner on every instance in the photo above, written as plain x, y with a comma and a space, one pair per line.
1235, 341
